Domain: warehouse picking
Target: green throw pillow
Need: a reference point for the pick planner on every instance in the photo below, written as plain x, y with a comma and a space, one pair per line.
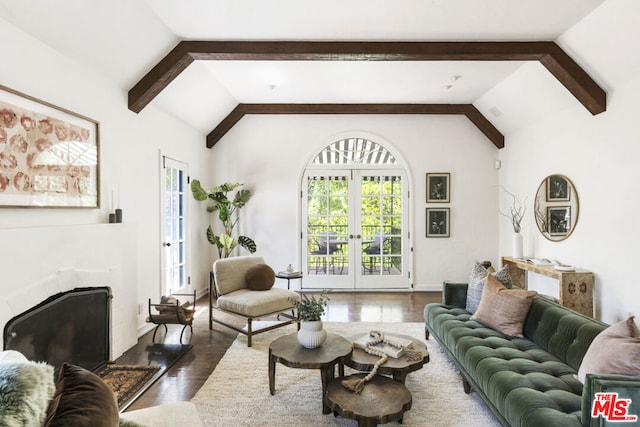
25, 391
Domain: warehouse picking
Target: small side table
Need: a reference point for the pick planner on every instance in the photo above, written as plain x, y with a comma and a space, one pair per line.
288, 351
381, 401
289, 277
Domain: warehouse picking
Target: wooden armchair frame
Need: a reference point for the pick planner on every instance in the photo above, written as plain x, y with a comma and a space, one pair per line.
289, 313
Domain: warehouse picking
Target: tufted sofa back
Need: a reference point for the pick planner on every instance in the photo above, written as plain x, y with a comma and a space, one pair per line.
562, 332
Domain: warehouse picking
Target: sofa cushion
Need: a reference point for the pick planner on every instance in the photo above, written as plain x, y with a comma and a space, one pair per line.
503, 309
476, 284
616, 350
82, 399
25, 391
255, 304
525, 384
230, 273
260, 277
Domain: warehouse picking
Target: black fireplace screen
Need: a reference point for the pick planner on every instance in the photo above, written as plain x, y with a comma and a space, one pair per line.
69, 327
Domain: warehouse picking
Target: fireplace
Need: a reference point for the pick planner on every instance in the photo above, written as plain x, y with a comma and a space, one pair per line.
71, 326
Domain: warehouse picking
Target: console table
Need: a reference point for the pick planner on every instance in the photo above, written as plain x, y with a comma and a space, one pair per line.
576, 287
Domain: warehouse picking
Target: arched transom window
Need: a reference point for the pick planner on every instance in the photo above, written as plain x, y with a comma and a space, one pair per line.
354, 151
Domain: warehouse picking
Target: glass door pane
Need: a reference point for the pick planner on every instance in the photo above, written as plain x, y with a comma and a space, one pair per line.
354, 230
174, 272
326, 234
382, 227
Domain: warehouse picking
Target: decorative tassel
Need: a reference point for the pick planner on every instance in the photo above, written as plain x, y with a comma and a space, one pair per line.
357, 385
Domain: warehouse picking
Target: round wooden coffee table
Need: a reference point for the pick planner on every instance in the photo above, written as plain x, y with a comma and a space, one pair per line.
381, 401
288, 351
398, 368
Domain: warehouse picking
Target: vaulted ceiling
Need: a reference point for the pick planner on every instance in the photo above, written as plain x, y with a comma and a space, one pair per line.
204, 83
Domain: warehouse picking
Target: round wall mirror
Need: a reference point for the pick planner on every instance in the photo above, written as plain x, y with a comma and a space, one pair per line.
556, 207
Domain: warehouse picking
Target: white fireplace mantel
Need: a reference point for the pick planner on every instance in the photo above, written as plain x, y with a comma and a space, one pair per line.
38, 262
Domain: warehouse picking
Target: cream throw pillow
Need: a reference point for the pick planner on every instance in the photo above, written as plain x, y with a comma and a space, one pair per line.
503, 309
616, 350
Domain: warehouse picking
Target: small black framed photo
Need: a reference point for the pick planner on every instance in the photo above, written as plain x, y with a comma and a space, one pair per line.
438, 187
559, 218
557, 189
438, 222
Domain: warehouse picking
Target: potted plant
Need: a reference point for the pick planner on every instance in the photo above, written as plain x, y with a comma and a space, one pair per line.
310, 309
227, 214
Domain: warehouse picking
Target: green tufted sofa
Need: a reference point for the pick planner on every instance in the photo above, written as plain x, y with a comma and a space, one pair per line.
528, 381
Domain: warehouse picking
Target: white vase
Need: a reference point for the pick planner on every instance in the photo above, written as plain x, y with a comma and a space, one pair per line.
516, 243
311, 334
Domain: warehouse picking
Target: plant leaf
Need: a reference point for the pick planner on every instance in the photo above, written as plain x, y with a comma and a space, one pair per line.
247, 243
224, 213
198, 192
241, 198
226, 187
212, 238
227, 241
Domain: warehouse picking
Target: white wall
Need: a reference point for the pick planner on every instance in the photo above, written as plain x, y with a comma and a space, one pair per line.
129, 153
269, 153
599, 154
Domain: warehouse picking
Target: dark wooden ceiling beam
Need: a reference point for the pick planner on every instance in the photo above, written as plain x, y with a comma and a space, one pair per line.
561, 66
159, 77
468, 110
575, 79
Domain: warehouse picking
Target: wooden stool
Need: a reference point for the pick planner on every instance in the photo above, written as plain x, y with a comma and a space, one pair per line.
383, 400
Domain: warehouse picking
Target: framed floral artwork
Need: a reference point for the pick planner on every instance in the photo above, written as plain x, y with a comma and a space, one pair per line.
437, 223
559, 220
438, 187
49, 156
558, 189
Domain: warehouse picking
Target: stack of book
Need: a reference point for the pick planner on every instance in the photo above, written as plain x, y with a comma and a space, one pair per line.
289, 273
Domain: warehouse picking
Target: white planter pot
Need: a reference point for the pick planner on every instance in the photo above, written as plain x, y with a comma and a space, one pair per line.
311, 334
516, 243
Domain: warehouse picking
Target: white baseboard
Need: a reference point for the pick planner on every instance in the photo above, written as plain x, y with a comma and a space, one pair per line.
436, 287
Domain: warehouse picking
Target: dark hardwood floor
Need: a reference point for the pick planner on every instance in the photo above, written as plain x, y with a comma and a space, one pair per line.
187, 375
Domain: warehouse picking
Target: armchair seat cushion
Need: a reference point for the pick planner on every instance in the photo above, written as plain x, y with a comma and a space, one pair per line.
257, 303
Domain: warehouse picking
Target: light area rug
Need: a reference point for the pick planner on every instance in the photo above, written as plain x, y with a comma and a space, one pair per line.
237, 392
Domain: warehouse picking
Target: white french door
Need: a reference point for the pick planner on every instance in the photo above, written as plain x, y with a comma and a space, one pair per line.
355, 233
174, 188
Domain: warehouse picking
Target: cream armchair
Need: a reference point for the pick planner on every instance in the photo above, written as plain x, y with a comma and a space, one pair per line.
233, 296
